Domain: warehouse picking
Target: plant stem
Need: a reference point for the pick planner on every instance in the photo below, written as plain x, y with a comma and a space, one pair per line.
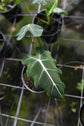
46, 22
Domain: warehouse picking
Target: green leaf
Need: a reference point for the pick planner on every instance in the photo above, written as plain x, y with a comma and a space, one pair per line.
51, 7
42, 69
42, 2
48, 1
60, 11
35, 30
73, 110
22, 32
18, 2
79, 85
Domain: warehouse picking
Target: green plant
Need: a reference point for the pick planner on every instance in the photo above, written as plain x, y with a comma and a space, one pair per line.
36, 30
8, 4
41, 67
51, 9
9, 1
79, 85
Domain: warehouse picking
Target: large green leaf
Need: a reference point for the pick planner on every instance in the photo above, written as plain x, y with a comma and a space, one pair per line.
42, 69
35, 30
51, 7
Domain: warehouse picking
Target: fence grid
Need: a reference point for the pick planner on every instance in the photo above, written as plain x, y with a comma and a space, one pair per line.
22, 88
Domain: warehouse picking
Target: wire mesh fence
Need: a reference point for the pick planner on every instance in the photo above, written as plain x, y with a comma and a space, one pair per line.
18, 106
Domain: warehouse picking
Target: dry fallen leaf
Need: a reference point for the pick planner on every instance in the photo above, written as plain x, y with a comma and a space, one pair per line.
78, 67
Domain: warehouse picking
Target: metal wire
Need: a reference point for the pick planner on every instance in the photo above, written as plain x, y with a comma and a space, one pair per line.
54, 114
2, 66
16, 118
19, 106
33, 122
81, 99
47, 112
1, 121
61, 122
25, 120
6, 124
18, 87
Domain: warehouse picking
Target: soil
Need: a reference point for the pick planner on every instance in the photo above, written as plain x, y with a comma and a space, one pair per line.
51, 31
30, 83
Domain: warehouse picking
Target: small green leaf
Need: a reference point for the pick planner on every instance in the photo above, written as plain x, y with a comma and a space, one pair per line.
42, 2
42, 69
18, 2
35, 30
79, 85
73, 110
22, 32
60, 11
51, 7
